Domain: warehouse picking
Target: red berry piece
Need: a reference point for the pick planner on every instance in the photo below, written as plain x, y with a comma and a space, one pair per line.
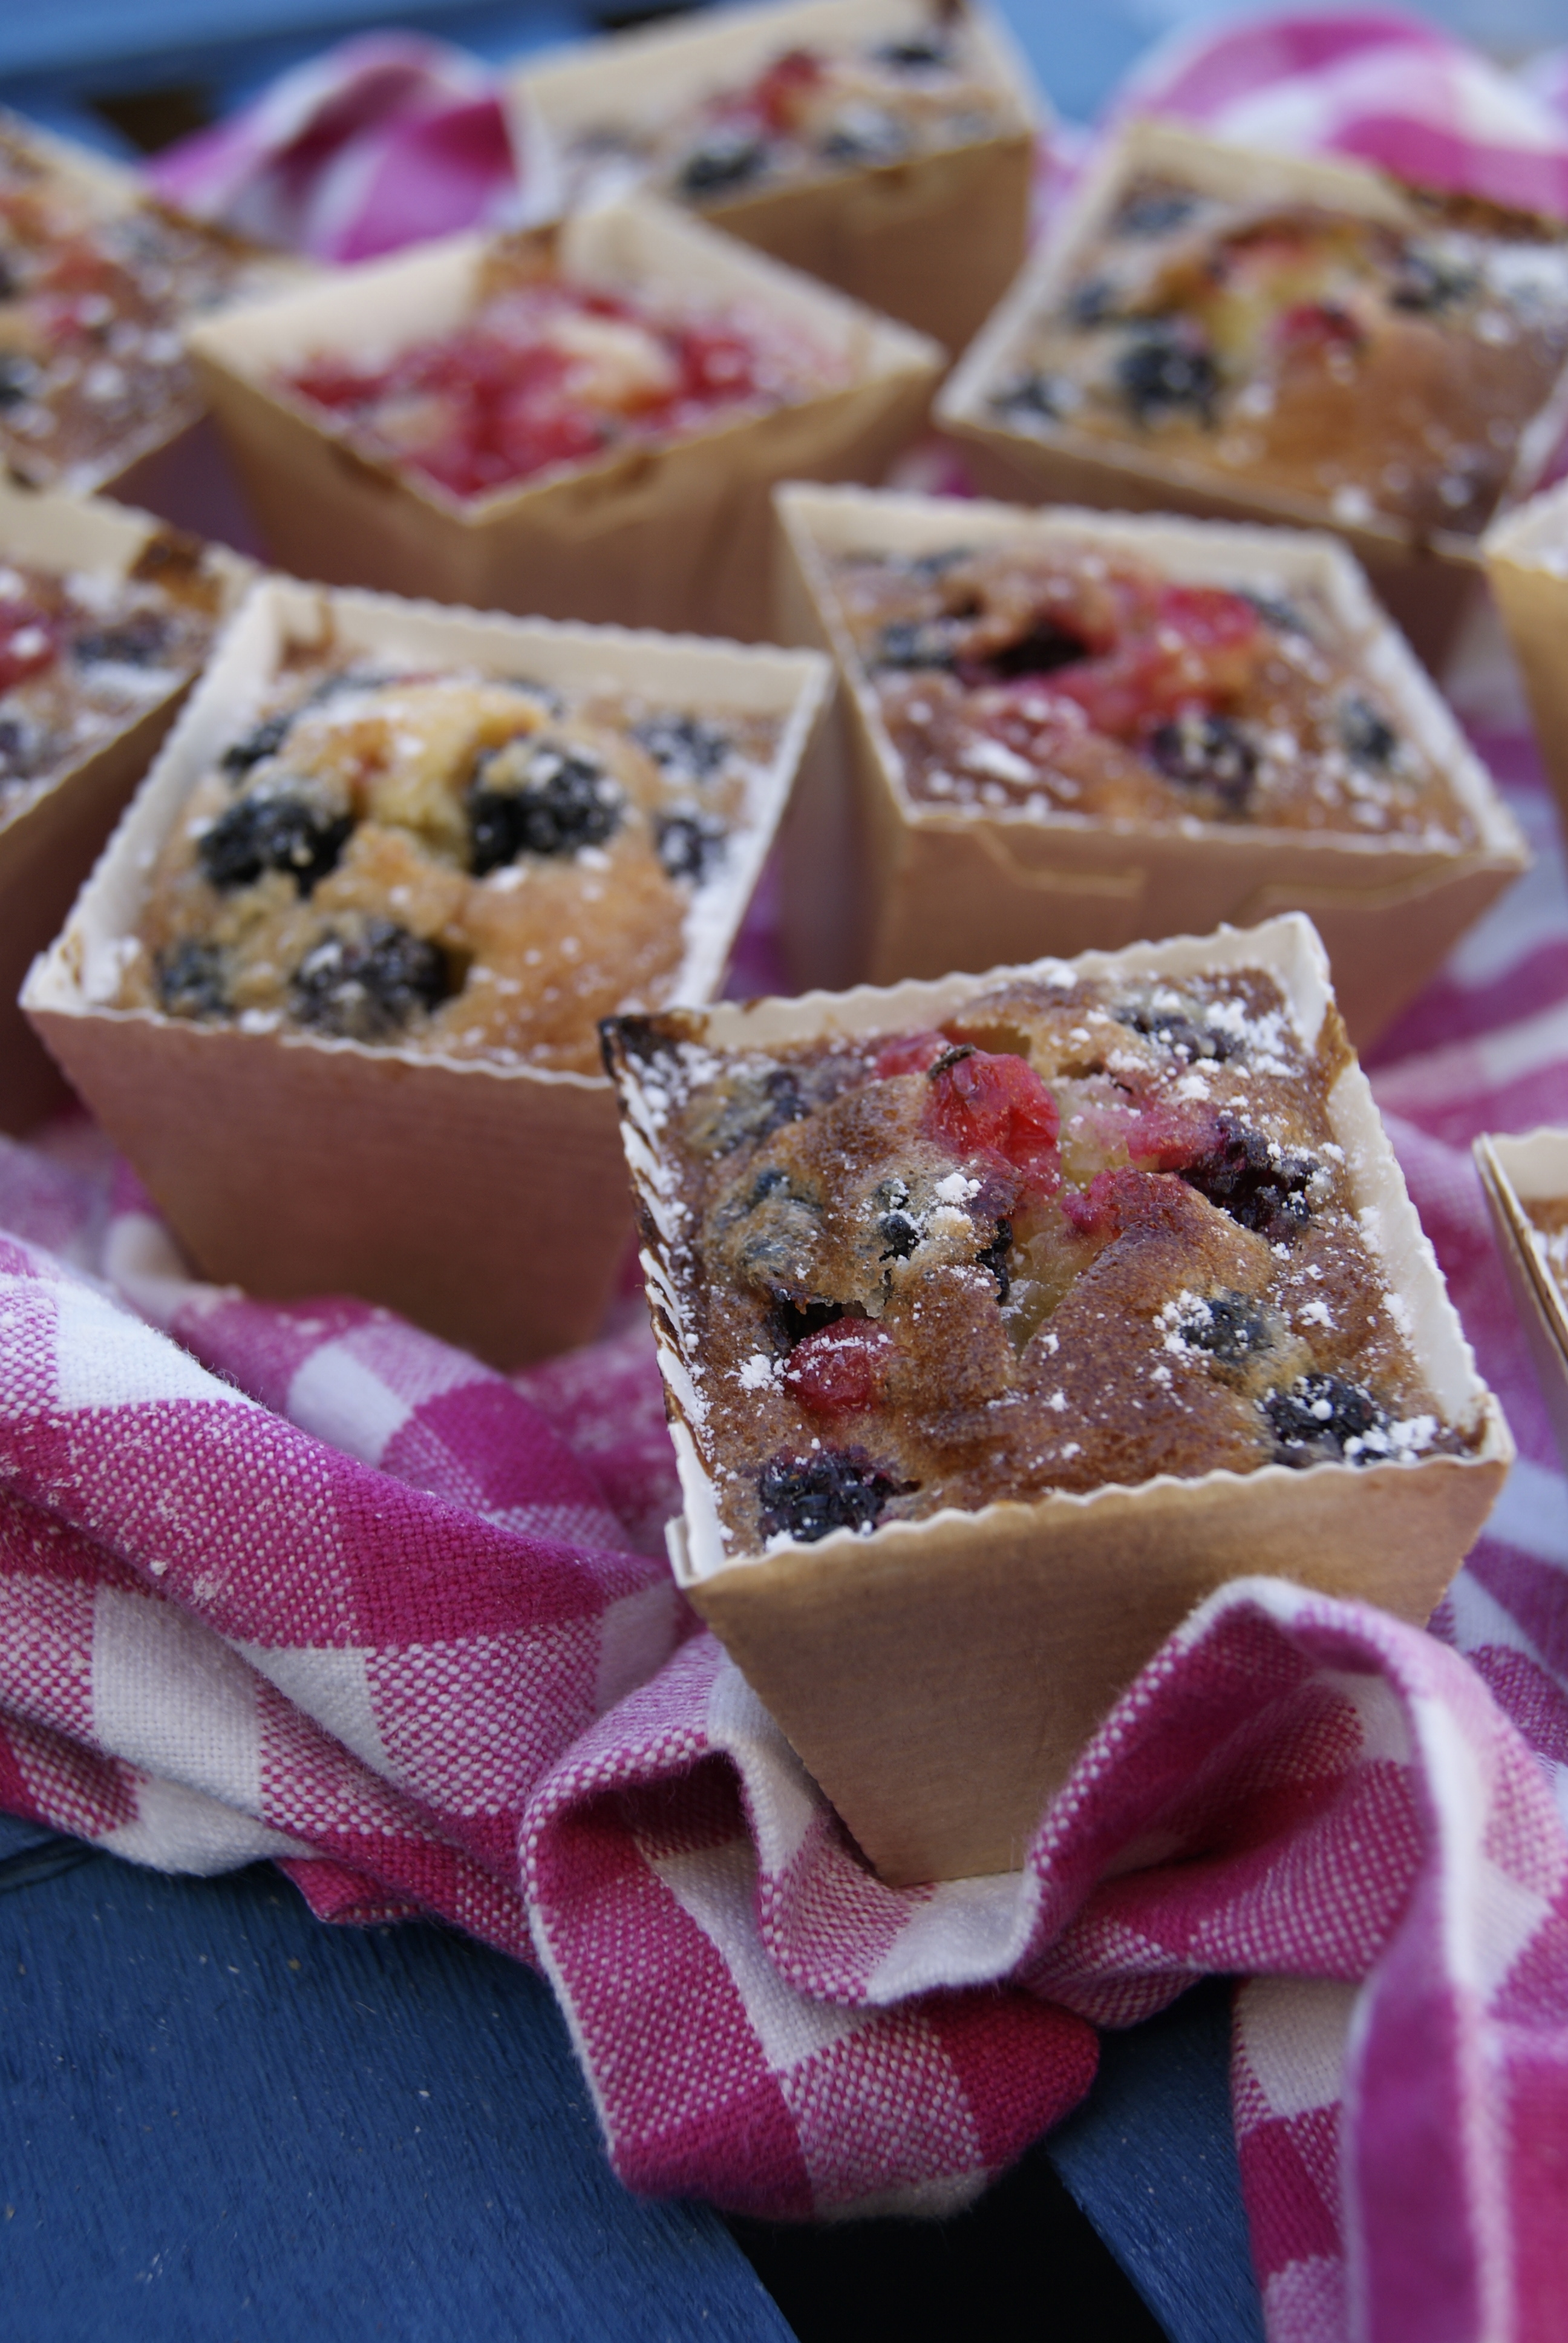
776, 97
986, 1103
909, 1053
841, 1369
1318, 329
28, 643
1117, 1202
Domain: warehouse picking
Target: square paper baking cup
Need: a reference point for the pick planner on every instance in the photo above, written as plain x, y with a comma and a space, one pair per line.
485, 1203
1526, 556
51, 830
1426, 584
1517, 1172
879, 886
173, 465
938, 1677
935, 240
672, 534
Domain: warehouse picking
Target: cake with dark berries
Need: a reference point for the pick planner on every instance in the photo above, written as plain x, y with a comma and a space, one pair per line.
1084, 1231
1061, 677
467, 864
1296, 338
97, 284
1065, 729
1387, 368
814, 108
885, 146
333, 987
1005, 1318
85, 655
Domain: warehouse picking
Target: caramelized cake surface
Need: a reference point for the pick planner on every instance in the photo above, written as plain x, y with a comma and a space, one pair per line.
1072, 679
1085, 1233
1387, 372
469, 864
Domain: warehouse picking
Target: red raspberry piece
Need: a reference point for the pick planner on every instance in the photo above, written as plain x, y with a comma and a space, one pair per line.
776, 96
840, 1369
984, 1102
1199, 648
716, 364
331, 384
909, 1053
1115, 1202
1172, 1134
27, 643
1314, 326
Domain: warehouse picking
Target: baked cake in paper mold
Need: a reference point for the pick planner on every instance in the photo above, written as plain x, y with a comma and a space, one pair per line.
476, 1188
887, 876
886, 146
1298, 339
937, 1672
1526, 555
1525, 1179
105, 620
669, 532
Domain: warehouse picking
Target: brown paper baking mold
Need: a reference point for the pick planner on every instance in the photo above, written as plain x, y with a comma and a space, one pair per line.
1426, 586
878, 886
488, 1203
938, 1677
52, 832
674, 535
1526, 556
934, 241
1516, 1173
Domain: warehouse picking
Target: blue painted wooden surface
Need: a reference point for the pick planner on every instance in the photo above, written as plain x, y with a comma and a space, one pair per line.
219, 2119
1151, 2156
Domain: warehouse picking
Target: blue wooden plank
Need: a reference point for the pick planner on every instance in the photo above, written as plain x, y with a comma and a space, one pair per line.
219, 2119
1151, 2156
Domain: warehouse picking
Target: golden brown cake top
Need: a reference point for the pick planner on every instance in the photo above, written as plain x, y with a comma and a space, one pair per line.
1383, 372
1087, 1232
1066, 678
464, 864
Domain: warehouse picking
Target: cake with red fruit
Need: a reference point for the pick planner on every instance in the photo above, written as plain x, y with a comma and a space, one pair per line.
546, 375
816, 108
1048, 677
97, 284
85, 655
1387, 358
1088, 1231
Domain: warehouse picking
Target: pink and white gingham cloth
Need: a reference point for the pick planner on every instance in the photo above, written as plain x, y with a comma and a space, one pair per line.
304, 1583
